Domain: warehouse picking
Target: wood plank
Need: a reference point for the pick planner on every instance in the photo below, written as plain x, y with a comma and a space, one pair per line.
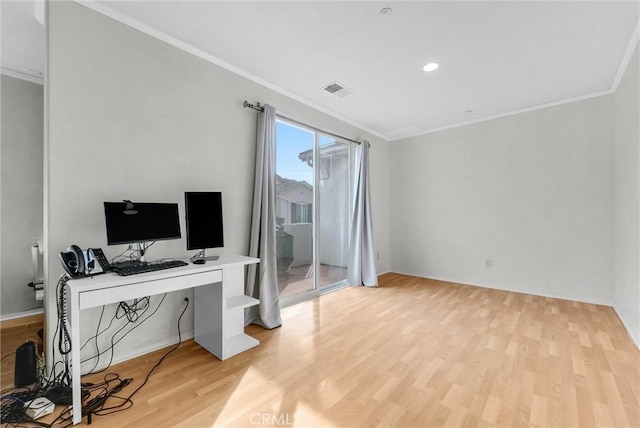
22, 321
412, 352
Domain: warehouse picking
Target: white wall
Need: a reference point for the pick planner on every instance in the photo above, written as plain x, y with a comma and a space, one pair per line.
627, 200
21, 178
131, 117
380, 171
335, 205
530, 192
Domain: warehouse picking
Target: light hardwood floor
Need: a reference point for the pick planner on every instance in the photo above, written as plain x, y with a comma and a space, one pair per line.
413, 352
300, 279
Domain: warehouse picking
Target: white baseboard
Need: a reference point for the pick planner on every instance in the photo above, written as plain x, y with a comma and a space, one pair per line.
138, 352
633, 333
24, 314
603, 302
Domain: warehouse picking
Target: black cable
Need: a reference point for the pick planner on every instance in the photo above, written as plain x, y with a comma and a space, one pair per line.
57, 382
96, 404
55, 333
143, 251
131, 311
115, 342
96, 337
60, 378
64, 340
113, 260
98, 332
135, 254
13, 410
115, 316
127, 401
198, 254
131, 317
8, 355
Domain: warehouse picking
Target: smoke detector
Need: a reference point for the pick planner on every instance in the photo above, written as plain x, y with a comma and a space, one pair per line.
338, 89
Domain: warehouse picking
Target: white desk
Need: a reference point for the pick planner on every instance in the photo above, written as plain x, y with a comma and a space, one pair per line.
219, 303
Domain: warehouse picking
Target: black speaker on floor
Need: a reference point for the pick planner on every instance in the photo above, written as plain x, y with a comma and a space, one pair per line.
25, 369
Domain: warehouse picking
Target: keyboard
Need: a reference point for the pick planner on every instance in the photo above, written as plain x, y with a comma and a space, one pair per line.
148, 267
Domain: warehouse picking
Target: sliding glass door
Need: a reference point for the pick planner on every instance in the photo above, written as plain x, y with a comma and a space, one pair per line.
294, 210
333, 211
312, 211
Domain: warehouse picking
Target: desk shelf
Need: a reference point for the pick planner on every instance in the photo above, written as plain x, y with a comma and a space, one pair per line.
239, 302
240, 343
219, 315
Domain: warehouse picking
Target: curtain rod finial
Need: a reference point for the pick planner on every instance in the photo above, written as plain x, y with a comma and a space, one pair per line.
257, 106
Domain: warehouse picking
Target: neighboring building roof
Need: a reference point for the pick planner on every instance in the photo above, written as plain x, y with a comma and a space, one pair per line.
284, 185
331, 149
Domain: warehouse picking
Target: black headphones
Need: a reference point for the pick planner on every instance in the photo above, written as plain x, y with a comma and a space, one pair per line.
73, 261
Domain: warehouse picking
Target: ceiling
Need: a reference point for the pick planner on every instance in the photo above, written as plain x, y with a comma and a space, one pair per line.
496, 58
22, 39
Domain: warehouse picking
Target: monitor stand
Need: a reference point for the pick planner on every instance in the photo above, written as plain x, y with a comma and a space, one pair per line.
142, 250
202, 255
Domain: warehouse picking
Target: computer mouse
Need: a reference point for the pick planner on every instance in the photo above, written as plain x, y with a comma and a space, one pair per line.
199, 262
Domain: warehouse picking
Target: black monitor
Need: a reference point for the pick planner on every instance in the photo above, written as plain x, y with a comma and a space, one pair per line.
131, 222
204, 220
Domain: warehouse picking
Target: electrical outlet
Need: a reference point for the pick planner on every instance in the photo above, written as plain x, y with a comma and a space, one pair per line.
488, 263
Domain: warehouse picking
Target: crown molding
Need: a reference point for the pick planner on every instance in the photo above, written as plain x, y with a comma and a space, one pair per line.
626, 59
22, 76
105, 10
510, 113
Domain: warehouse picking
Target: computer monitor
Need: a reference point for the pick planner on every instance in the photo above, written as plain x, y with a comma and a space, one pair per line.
139, 222
204, 221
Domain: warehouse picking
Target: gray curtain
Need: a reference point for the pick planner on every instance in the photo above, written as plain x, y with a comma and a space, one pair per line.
362, 258
262, 279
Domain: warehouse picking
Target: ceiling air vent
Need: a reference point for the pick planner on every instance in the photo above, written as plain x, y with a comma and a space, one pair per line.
338, 89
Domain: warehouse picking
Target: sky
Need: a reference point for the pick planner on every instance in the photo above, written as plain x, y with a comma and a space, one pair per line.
291, 141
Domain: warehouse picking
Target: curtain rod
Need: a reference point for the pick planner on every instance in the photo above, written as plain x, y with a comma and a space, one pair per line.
258, 107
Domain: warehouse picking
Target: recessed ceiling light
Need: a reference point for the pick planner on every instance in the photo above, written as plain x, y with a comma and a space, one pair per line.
469, 111
386, 11
431, 66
